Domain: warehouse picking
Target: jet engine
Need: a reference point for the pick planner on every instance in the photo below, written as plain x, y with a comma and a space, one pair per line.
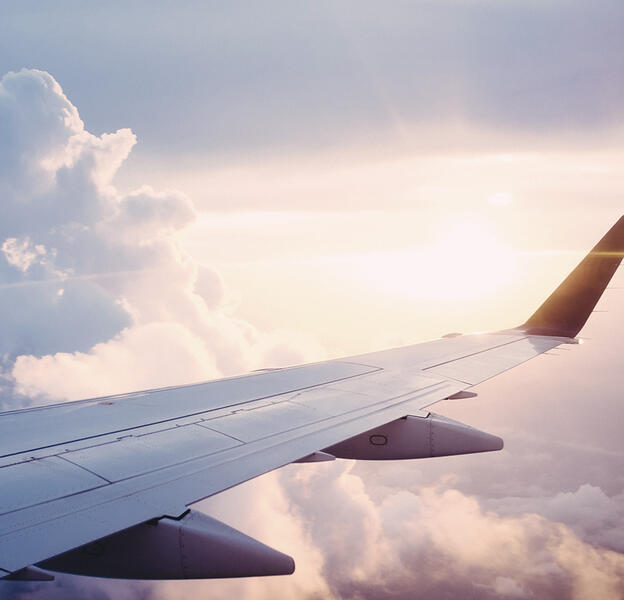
194, 546
416, 437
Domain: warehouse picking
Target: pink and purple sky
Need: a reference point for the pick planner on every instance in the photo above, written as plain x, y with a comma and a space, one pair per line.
193, 190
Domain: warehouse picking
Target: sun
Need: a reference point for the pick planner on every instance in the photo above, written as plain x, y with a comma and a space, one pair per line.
467, 263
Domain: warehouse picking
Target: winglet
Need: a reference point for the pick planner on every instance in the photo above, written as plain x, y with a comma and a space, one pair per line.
567, 309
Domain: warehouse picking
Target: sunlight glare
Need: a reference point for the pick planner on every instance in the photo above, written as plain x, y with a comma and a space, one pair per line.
500, 199
465, 264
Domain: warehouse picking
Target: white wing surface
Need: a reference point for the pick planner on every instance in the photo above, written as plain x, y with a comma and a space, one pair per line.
124, 469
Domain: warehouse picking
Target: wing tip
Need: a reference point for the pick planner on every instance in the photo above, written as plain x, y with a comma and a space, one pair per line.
567, 309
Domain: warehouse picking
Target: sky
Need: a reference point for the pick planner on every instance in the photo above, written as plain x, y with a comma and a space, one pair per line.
193, 190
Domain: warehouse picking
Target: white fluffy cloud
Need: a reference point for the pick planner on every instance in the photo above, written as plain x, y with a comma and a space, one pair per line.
96, 294
380, 540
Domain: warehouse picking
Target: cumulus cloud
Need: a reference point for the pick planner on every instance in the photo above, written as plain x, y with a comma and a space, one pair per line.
76, 375
439, 542
96, 294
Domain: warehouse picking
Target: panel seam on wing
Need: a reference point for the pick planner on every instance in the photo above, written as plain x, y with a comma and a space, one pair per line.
446, 362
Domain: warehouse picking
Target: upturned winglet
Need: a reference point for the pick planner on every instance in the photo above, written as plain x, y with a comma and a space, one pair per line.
567, 309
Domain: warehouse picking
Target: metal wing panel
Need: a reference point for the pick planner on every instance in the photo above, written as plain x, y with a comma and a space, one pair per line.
428, 354
22, 431
480, 366
35, 533
154, 472
135, 455
110, 515
38, 481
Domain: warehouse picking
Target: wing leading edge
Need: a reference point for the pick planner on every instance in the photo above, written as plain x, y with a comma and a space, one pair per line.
119, 469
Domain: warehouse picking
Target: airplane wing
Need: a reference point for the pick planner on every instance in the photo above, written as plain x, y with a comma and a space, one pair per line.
102, 486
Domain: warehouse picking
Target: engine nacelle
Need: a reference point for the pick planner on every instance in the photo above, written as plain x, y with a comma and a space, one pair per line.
192, 547
416, 437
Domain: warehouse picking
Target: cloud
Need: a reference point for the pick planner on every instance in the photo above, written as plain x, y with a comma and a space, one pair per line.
439, 542
79, 375
96, 293
500, 199
325, 73
588, 511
